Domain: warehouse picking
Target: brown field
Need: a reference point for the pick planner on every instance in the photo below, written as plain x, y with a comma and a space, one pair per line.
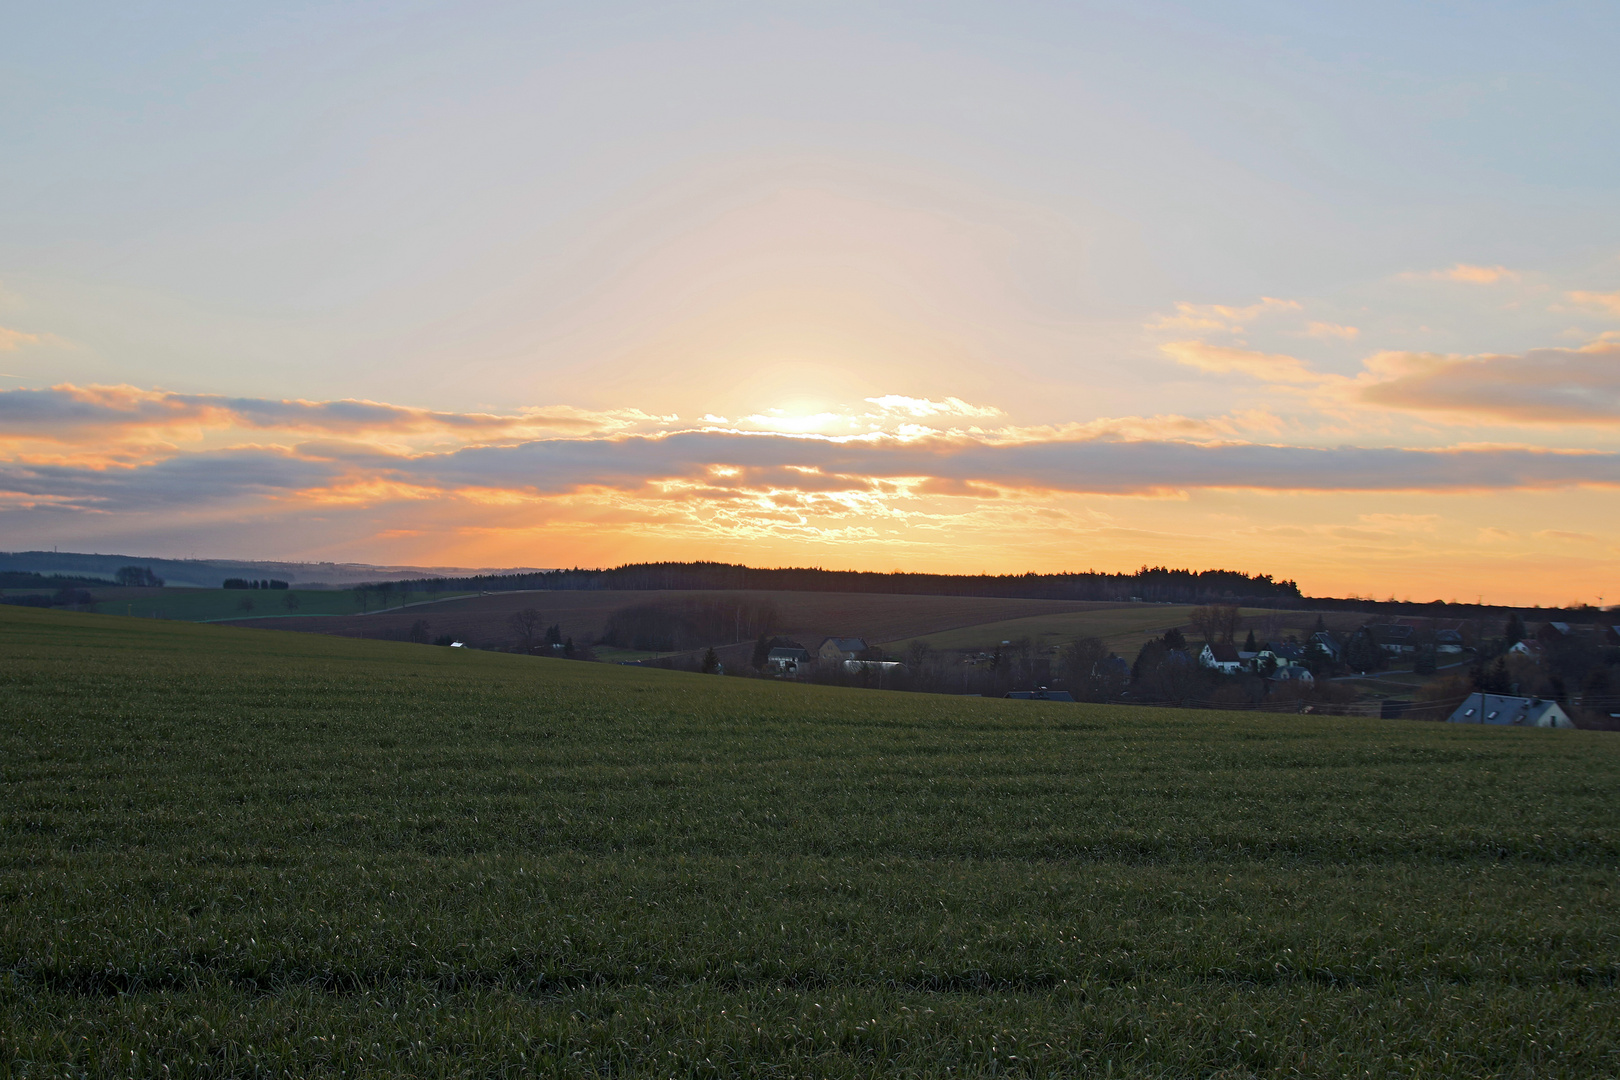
482, 621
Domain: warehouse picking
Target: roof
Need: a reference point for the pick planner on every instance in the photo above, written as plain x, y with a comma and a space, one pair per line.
789, 652
1224, 653
1505, 709
845, 644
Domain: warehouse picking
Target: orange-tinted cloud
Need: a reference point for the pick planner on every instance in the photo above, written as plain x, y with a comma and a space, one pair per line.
16, 339
1331, 330
1542, 386
65, 413
1473, 275
1221, 316
1227, 360
1609, 302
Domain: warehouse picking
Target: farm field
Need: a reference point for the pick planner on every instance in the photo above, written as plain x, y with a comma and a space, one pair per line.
229, 851
808, 616
202, 605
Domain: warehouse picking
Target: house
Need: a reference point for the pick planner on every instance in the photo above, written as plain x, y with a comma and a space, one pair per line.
1517, 711
1552, 632
1113, 667
1287, 652
788, 660
1532, 649
1328, 644
1043, 694
1393, 639
841, 648
1222, 658
1448, 641
1294, 673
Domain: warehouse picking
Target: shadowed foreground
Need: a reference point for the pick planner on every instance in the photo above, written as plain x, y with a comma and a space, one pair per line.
232, 852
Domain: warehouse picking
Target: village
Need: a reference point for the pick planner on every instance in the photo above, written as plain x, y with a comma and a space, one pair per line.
1560, 674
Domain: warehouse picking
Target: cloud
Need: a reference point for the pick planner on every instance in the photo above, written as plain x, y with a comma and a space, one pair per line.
1471, 275
1609, 302
1220, 316
64, 413
1226, 360
922, 407
710, 465
1331, 330
1541, 386
15, 339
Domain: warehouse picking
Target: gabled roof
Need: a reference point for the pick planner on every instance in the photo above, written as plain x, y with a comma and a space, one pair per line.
1224, 653
1504, 709
789, 652
845, 644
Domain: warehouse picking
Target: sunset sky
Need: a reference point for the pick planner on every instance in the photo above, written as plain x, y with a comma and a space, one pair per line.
1330, 292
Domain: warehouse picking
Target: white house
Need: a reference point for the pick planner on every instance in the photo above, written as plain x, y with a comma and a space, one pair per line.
1294, 673
1515, 711
1223, 658
791, 661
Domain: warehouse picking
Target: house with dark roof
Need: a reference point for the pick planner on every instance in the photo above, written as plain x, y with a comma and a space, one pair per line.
1511, 711
1223, 658
841, 648
789, 661
1392, 638
1329, 643
1296, 673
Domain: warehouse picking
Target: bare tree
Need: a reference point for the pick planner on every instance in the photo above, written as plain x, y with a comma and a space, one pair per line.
1216, 622
525, 624
289, 600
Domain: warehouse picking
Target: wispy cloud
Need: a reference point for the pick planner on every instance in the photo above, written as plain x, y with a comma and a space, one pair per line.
1331, 330
1226, 360
924, 407
1609, 302
1470, 274
65, 413
11, 340
1221, 316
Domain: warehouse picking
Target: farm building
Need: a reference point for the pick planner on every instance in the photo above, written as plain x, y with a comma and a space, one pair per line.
789, 660
1519, 711
841, 648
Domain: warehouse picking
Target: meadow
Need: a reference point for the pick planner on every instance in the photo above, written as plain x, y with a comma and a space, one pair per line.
252, 853
807, 616
215, 605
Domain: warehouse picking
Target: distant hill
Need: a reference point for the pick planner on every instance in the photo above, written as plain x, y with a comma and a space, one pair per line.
211, 573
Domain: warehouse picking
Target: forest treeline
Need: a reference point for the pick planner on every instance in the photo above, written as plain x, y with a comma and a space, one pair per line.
1150, 583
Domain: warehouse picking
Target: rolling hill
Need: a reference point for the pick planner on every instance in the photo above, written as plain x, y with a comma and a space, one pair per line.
227, 851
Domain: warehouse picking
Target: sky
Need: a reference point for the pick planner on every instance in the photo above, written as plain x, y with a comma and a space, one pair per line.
1330, 292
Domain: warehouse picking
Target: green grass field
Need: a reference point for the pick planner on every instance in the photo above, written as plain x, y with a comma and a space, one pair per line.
249, 853
207, 605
